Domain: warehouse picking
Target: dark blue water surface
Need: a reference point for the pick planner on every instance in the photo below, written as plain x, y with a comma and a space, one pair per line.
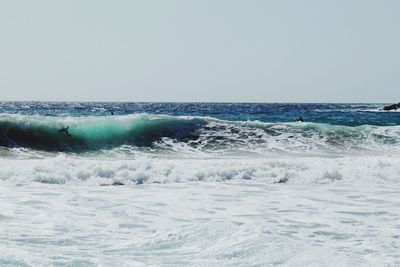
337, 114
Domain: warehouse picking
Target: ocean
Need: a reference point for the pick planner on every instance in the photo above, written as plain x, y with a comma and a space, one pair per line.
199, 184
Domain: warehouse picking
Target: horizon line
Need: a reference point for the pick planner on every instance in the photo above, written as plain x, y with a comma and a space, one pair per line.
203, 102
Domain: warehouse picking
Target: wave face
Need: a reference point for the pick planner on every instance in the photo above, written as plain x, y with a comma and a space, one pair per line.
92, 133
190, 134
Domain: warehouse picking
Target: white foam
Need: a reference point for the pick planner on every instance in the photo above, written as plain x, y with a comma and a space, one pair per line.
76, 170
200, 224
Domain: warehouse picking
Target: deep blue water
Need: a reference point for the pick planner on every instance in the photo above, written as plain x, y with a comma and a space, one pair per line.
335, 114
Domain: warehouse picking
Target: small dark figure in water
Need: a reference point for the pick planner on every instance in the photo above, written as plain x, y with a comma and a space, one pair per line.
65, 130
283, 180
112, 112
300, 119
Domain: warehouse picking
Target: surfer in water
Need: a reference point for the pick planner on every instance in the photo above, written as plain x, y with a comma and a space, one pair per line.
300, 119
65, 130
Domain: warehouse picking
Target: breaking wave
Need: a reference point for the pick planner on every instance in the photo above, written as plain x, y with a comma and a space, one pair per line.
146, 148
195, 134
92, 133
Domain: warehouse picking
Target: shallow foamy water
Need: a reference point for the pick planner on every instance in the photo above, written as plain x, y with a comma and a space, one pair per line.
197, 224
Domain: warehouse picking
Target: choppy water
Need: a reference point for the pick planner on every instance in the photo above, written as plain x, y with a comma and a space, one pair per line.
199, 184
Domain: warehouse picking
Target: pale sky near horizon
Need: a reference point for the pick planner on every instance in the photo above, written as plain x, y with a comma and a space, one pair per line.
204, 50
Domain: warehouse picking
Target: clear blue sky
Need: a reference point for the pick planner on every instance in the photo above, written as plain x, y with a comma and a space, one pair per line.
204, 50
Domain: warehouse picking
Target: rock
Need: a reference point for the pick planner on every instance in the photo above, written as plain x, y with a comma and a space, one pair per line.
392, 107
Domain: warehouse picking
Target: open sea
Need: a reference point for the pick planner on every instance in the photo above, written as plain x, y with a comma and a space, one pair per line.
199, 184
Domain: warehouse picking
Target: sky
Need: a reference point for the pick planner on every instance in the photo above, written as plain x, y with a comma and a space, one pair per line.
200, 50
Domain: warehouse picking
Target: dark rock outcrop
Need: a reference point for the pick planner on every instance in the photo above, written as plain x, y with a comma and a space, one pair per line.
392, 107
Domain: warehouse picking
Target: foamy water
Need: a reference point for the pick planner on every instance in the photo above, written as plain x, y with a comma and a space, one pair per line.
197, 224
305, 211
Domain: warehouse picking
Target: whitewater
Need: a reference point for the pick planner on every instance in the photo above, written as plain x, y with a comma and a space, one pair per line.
199, 184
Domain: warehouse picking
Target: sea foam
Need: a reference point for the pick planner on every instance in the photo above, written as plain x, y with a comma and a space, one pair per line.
301, 170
